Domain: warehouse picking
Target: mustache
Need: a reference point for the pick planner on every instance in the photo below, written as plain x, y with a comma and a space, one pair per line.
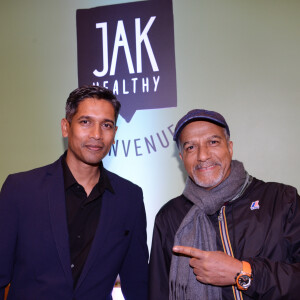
206, 164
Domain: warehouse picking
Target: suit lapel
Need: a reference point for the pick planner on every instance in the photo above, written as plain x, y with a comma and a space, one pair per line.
104, 225
58, 217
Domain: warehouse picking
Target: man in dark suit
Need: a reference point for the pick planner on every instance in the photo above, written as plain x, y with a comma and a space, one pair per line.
68, 229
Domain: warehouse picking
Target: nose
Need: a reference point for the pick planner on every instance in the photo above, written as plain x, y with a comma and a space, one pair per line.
96, 132
203, 153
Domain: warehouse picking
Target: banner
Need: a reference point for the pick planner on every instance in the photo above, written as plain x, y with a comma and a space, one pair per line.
129, 49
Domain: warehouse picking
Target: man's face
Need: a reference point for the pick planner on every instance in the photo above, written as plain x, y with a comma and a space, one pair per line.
206, 153
90, 133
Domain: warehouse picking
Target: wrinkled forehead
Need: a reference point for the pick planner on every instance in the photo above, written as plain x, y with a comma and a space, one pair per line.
201, 129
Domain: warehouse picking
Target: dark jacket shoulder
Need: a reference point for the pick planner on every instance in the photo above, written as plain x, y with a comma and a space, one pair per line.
172, 213
116, 180
35, 176
175, 205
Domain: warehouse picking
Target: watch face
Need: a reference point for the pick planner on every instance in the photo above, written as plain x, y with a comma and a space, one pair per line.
244, 281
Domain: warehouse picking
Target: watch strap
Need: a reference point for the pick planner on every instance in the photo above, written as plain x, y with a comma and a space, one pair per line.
246, 267
246, 271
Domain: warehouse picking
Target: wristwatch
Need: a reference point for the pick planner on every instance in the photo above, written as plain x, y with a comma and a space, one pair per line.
244, 278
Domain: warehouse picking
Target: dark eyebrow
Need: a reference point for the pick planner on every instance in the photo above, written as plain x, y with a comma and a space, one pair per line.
215, 136
109, 120
209, 138
88, 118
185, 143
84, 117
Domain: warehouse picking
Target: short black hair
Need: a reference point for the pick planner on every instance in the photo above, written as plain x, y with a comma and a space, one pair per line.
90, 91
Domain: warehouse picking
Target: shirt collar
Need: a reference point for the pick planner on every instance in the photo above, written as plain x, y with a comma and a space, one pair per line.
69, 180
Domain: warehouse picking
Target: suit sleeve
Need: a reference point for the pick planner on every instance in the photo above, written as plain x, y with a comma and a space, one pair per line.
8, 233
134, 272
280, 279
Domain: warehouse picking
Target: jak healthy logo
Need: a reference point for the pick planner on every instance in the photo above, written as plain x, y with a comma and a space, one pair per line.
129, 48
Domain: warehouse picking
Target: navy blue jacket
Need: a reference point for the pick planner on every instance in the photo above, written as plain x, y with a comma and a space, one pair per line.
34, 247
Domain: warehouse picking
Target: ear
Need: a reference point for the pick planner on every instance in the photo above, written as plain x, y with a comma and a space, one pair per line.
64, 127
180, 156
230, 148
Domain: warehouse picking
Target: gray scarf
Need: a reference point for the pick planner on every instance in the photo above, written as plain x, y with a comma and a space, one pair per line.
197, 231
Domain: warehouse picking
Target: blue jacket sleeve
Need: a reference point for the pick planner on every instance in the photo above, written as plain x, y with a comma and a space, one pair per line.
8, 232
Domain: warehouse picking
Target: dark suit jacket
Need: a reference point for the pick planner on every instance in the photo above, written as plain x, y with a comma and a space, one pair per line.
34, 248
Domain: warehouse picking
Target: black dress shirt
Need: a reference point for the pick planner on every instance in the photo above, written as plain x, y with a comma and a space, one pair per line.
83, 213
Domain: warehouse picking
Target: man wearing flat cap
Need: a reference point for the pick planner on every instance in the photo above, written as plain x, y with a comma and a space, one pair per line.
229, 235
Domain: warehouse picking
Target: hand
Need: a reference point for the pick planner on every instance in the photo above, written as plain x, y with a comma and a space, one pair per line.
212, 267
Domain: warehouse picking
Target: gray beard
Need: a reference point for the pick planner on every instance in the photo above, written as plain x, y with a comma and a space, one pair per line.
211, 183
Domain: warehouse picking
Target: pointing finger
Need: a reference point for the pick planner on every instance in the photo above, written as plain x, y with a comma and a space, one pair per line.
189, 251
